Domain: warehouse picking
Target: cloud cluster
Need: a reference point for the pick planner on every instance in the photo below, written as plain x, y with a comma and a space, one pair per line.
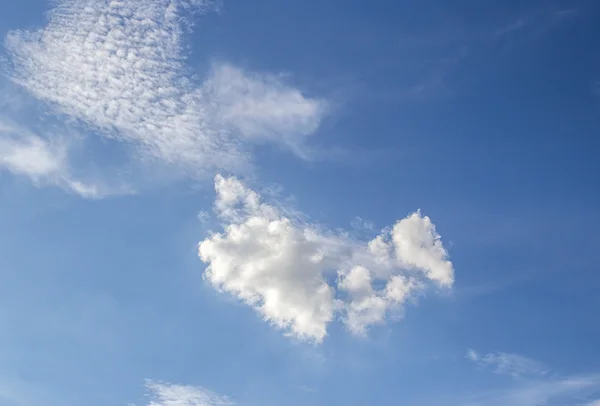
119, 67
299, 276
164, 394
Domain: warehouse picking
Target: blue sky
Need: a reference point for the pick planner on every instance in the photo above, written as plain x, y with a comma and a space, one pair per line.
299, 202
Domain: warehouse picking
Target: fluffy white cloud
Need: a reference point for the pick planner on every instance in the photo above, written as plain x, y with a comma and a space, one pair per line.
368, 306
44, 162
507, 364
164, 394
271, 262
118, 66
418, 245
285, 267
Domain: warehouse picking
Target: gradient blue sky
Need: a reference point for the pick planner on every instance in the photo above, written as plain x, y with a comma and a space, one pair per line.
346, 117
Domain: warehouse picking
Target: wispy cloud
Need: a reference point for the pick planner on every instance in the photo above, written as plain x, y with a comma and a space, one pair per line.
512, 27
262, 107
574, 390
536, 22
507, 363
44, 161
534, 383
166, 394
282, 265
119, 67
359, 224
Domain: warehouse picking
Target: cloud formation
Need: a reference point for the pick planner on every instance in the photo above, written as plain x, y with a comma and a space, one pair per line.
534, 383
118, 66
507, 364
164, 394
299, 276
45, 162
263, 108
575, 390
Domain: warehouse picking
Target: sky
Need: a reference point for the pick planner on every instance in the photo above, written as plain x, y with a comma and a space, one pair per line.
265, 203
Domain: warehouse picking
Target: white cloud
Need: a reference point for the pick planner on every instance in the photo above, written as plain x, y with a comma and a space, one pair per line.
536, 384
119, 66
283, 266
368, 306
45, 162
270, 262
262, 107
32, 156
565, 391
507, 364
418, 245
575, 390
164, 394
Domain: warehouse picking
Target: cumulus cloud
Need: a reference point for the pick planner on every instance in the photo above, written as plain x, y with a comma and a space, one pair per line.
300, 276
45, 162
165, 394
271, 262
368, 306
119, 67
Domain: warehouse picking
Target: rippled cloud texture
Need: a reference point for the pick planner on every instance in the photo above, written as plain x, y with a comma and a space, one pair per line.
118, 67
